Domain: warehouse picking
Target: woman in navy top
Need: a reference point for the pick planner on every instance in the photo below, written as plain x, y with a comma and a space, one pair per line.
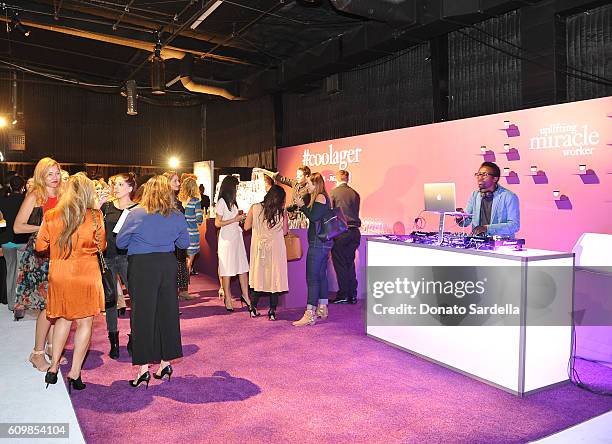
150, 234
316, 207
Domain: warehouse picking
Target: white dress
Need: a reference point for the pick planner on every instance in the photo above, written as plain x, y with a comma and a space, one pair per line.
232, 254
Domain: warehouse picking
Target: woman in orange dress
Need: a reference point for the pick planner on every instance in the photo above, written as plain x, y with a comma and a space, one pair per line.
73, 232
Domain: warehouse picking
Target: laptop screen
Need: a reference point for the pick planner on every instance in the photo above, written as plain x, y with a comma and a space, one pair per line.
439, 197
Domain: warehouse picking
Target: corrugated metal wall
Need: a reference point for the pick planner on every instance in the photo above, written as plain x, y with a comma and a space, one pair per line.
78, 126
483, 80
589, 48
240, 133
382, 96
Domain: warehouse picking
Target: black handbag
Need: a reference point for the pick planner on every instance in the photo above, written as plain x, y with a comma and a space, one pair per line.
108, 279
36, 216
332, 224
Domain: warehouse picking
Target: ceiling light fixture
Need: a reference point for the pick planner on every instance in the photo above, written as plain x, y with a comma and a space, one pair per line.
132, 95
158, 73
207, 11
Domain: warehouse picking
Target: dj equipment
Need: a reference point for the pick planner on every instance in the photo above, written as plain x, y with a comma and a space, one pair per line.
460, 240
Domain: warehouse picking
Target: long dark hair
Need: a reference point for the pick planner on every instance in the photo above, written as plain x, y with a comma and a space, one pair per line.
319, 188
274, 205
227, 191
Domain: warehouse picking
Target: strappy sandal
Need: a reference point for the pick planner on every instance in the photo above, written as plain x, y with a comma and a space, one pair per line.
49, 353
38, 361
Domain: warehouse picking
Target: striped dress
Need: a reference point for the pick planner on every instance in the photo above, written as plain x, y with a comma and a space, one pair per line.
193, 216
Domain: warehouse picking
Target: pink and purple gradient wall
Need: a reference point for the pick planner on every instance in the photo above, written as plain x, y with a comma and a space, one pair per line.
389, 168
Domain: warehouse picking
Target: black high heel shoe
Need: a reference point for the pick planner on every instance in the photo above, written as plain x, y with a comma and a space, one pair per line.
76, 384
129, 345
50, 378
253, 312
145, 377
271, 315
167, 370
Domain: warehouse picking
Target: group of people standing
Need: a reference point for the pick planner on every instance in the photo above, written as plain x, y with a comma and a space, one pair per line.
147, 235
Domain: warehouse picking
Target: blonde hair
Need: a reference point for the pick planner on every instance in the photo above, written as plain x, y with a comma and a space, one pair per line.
157, 196
39, 187
319, 188
100, 182
189, 190
170, 174
79, 196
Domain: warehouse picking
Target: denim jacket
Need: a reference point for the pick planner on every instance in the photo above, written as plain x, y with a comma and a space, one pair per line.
505, 212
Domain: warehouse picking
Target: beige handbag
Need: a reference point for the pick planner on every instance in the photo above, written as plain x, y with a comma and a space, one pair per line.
293, 246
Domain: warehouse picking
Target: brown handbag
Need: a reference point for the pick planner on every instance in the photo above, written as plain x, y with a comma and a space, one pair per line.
293, 246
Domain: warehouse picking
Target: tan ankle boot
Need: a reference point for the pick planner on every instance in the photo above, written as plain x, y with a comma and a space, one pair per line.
309, 318
322, 312
37, 358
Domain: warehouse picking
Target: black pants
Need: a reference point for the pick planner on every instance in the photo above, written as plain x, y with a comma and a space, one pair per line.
343, 257
255, 295
156, 332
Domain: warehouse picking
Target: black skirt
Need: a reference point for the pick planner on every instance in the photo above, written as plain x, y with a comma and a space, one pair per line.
156, 332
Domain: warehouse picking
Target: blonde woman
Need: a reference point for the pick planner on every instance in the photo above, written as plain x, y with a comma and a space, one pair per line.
150, 234
182, 277
73, 233
189, 195
315, 209
32, 281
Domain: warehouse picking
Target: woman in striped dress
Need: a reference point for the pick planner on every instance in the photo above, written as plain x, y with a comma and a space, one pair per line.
189, 195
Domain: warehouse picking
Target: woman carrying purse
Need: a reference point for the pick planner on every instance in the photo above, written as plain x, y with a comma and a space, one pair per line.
73, 234
32, 274
317, 207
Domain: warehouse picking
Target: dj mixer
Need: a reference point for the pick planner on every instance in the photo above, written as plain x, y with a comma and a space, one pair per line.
460, 240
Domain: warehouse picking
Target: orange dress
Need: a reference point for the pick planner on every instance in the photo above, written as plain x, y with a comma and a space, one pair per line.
75, 283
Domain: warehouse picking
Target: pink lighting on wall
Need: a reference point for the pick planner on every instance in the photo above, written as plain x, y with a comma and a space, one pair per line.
393, 166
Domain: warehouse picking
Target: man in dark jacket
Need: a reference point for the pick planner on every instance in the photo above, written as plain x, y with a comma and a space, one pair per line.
346, 244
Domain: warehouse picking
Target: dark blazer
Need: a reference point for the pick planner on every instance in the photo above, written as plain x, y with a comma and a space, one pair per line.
9, 205
204, 201
347, 199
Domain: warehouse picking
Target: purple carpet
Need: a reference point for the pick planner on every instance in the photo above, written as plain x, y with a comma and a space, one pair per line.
251, 380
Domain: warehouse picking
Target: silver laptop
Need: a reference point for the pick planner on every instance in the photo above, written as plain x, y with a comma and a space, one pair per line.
440, 197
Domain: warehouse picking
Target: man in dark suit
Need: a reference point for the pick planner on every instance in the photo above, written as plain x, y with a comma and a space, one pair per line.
204, 200
346, 244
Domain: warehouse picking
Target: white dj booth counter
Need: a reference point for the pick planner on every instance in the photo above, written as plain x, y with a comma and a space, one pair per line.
520, 358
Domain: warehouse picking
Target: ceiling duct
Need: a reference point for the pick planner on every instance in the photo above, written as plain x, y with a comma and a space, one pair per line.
395, 12
227, 89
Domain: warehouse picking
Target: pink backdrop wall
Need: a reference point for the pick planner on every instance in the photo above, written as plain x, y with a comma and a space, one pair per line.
389, 168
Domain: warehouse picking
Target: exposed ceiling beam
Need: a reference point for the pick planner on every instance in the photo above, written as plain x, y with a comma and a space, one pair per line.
208, 10
168, 52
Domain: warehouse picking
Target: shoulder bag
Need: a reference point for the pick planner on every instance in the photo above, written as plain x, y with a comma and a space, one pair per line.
332, 224
108, 281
